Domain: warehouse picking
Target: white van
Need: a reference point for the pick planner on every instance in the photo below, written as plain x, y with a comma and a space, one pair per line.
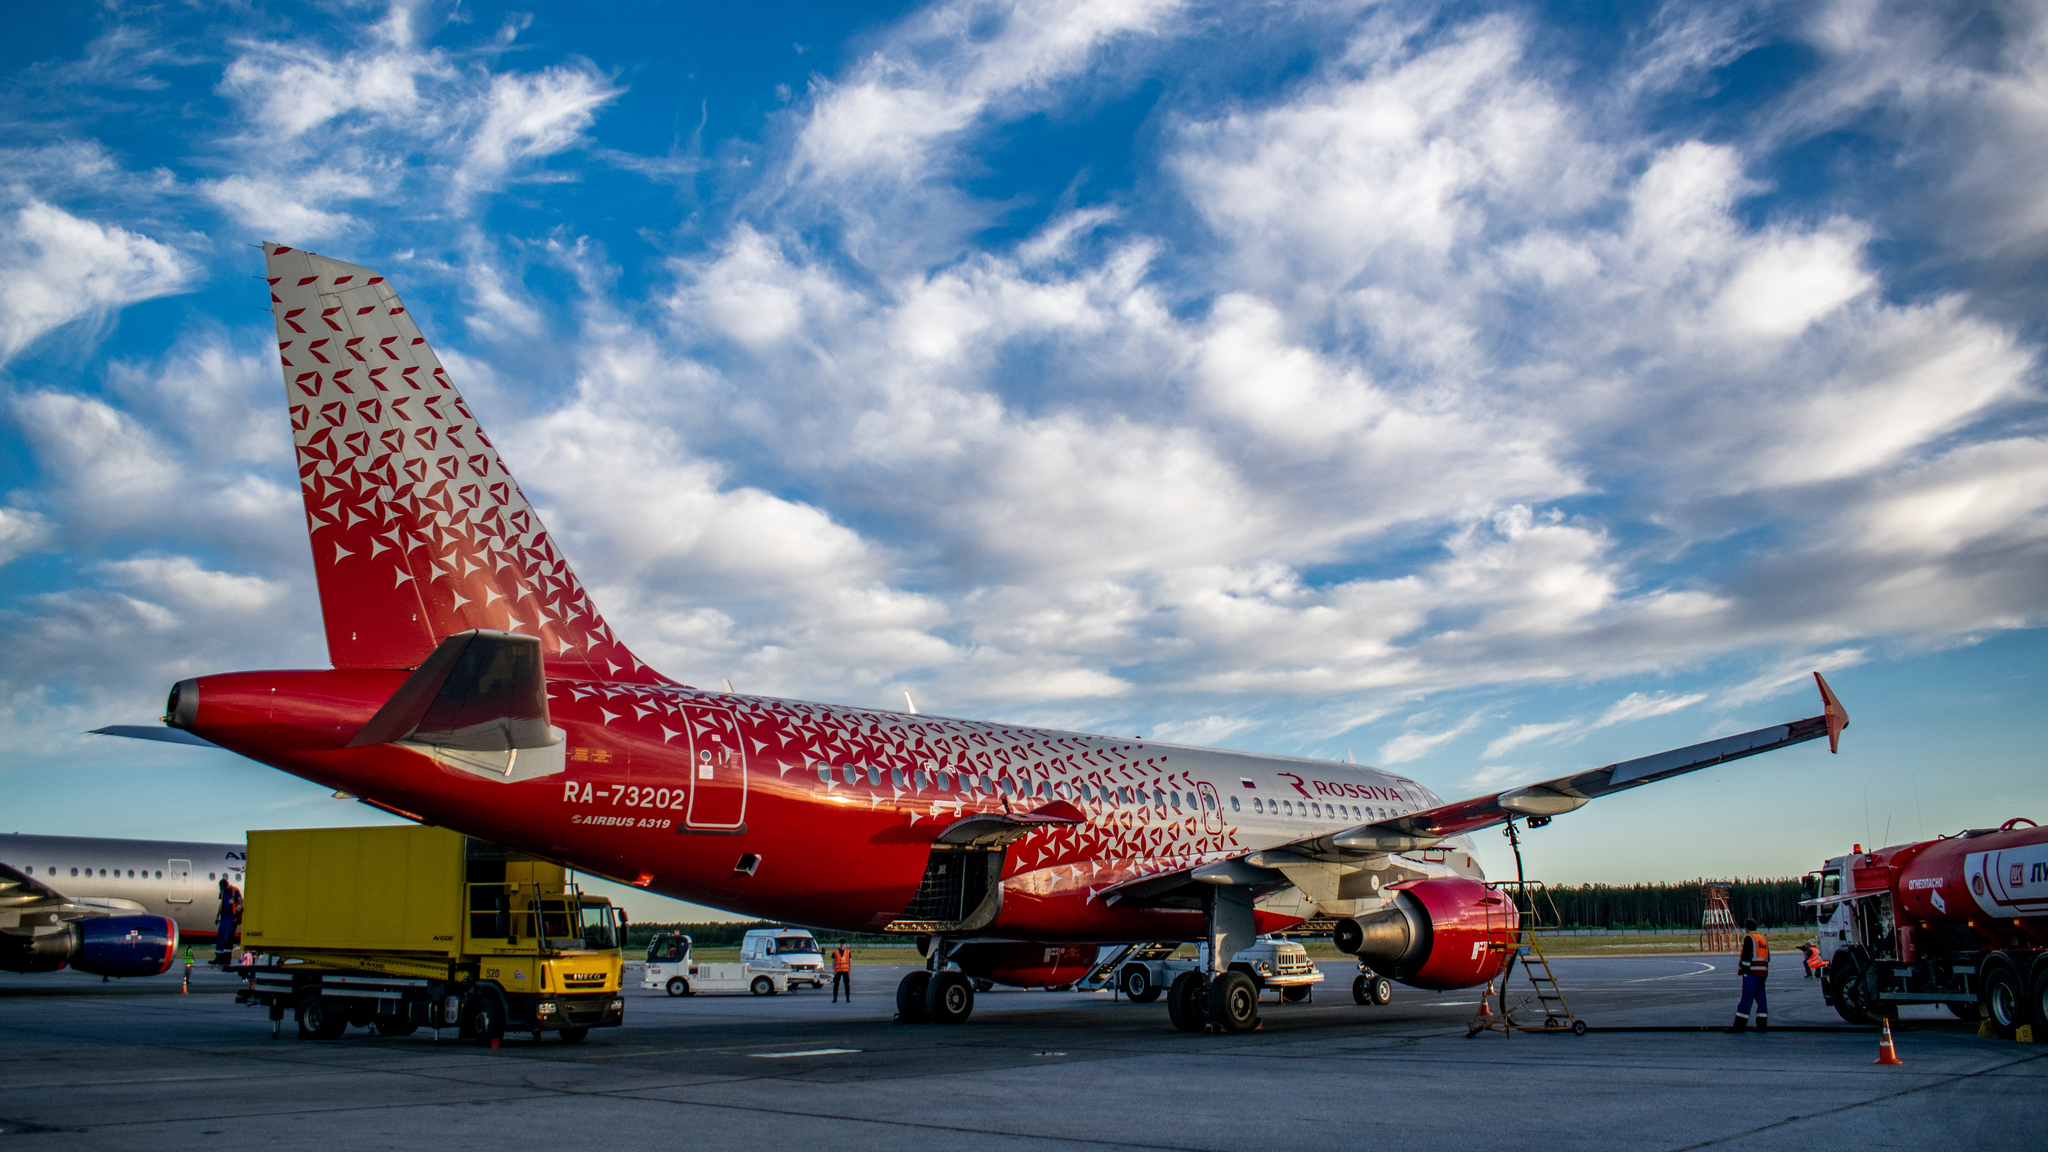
772, 960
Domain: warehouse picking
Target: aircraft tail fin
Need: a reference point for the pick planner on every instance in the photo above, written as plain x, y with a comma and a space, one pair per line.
418, 530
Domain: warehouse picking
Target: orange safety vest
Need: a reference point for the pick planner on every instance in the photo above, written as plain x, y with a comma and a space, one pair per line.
842, 960
1760, 960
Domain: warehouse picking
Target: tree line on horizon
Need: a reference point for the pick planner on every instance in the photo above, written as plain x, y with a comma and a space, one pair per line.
1773, 903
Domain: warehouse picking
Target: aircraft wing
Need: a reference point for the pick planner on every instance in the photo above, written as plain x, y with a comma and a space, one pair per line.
1270, 869
1568, 793
37, 903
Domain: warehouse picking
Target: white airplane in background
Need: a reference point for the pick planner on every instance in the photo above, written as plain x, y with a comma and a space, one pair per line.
108, 907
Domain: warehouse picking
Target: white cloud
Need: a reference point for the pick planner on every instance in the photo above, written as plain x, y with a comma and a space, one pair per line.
1208, 731
1414, 745
56, 268
1642, 706
271, 205
21, 531
1524, 733
530, 116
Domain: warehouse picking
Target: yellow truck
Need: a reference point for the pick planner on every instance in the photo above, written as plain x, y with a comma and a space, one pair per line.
399, 928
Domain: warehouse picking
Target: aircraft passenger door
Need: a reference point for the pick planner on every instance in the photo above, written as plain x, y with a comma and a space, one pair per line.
1212, 807
718, 771
179, 873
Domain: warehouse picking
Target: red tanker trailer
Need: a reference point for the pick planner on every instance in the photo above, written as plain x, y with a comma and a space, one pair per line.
1961, 921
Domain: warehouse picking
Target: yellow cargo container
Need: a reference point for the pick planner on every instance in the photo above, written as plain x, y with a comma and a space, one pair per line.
395, 928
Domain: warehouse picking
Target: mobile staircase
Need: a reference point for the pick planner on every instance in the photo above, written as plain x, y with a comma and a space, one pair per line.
1535, 912
1112, 959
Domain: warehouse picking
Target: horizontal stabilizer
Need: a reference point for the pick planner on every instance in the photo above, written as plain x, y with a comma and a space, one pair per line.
480, 691
146, 732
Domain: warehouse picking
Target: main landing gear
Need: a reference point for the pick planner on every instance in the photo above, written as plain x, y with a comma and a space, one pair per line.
1223, 999
944, 996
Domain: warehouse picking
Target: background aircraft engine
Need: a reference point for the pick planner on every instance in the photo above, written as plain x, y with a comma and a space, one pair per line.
110, 946
124, 945
1448, 932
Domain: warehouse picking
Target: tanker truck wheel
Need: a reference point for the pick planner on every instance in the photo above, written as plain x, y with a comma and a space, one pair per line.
1846, 988
2037, 997
2004, 998
1138, 984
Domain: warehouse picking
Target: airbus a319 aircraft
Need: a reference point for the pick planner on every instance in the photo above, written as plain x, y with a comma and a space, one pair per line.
474, 685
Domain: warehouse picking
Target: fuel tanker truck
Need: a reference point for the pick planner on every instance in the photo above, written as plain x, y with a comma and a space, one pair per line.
1961, 920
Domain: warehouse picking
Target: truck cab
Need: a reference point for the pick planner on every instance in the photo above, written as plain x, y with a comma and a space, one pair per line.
791, 951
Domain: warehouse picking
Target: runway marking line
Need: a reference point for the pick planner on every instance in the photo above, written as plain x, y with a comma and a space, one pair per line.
805, 1052
1704, 969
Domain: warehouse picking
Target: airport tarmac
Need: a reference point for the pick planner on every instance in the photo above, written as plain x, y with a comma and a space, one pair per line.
133, 1064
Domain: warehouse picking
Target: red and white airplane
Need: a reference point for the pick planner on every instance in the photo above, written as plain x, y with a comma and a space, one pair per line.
474, 685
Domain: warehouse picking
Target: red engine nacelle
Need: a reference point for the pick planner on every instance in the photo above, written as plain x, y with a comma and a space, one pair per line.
1026, 965
1447, 932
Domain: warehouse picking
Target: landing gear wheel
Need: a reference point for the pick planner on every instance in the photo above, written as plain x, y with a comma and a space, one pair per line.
1234, 1002
910, 997
1296, 994
394, 1026
950, 998
1382, 991
1186, 1003
2004, 998
677, 986
762, 986
322, 1019
574, 1035
1136, 981
487, 1021
1361, 989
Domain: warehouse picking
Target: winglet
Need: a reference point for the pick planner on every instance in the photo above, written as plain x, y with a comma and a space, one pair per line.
1832, 710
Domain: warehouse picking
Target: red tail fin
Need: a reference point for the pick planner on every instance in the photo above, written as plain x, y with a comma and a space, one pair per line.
418, 530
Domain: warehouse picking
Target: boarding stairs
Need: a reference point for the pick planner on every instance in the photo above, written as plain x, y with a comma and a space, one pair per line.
1112, 959
1535, 912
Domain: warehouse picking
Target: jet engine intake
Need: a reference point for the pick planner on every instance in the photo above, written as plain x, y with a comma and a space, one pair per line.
1446, 932
124, 945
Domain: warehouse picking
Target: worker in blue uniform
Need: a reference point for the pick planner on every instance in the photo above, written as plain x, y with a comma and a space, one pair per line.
1754, 969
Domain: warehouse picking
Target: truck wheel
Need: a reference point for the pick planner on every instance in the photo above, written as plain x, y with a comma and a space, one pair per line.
1382, 991
949, 999
2004, 998
762, 986
1136, 981
574, 1035
910, 997
1234, 1002
395, 1026
322, 1018
486, 1022
2037, 998
1186, 1003
1296, 994
1845, 988
677, 986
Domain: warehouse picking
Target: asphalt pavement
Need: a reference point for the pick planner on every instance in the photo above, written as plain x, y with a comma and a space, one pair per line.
134, 1064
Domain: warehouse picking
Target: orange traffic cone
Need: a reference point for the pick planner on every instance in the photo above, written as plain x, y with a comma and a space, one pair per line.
1886, 1052
1485, 1008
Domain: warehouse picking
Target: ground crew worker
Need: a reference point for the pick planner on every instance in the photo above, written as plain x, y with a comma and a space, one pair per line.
1754, 969
1813, 961
842, 972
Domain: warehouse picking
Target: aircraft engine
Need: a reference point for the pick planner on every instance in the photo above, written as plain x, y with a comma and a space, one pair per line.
1446, 932
124, 945
1026, 965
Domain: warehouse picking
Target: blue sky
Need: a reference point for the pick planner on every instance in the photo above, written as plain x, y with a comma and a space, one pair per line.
1484, 390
